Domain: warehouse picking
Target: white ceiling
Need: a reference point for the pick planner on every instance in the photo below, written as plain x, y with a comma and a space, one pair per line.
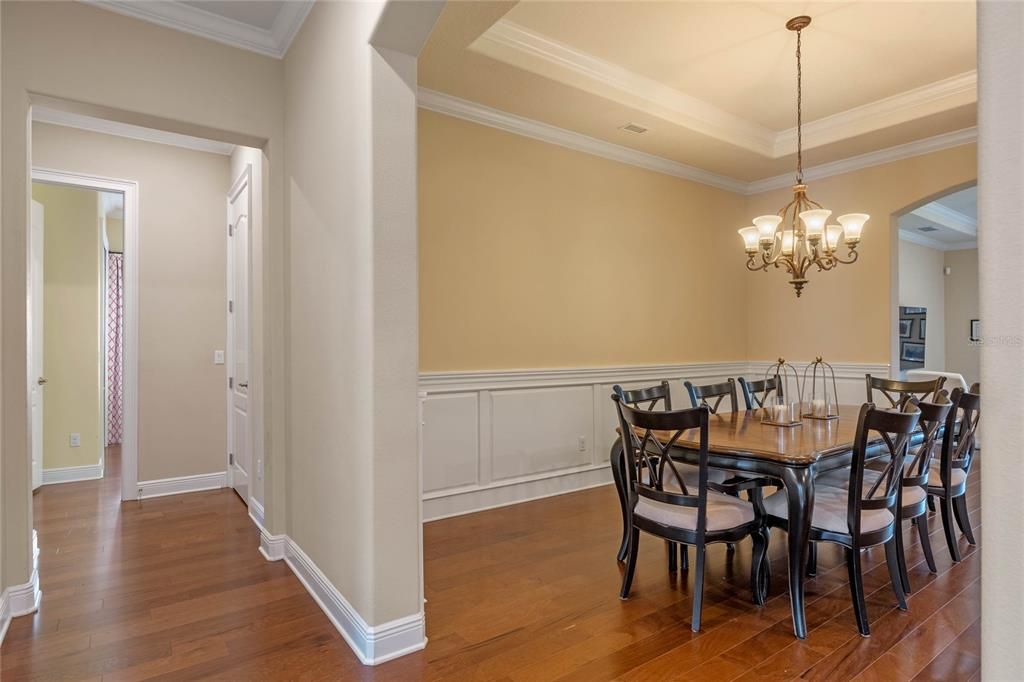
948, 223
264, 26
714, 82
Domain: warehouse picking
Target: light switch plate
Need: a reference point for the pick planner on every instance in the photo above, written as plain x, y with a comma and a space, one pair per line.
76, 440
218, 357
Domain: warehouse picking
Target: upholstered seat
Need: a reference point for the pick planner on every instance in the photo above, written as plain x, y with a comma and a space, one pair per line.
956, 476
912, 494
724, 512
830, 508
690, 474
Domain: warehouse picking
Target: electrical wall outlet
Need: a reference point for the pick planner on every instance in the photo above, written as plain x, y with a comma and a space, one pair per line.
218, 357
581, 443
76, 440
259, 468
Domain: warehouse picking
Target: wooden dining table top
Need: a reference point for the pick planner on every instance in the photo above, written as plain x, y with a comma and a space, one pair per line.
742, 434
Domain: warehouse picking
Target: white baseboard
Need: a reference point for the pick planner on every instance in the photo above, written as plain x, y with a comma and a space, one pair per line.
21, 600
372, 644
256, 512
450, 503
89, 472
182, 484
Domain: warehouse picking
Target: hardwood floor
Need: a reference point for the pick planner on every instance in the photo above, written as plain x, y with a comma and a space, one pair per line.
173, 588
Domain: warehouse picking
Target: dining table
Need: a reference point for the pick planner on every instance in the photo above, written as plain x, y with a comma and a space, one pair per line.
794, 455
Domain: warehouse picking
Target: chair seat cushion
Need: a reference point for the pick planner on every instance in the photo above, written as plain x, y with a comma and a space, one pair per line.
690, 474
830, 504
956, 476
724, 512
912, 494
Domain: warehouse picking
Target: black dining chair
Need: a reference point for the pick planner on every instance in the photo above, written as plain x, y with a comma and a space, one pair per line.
700, 395
947, 480
757, 393
897, 392
651, 398
866, 512
917, 467
690, 516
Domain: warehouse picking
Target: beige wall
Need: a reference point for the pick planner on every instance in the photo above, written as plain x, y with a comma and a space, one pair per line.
533, 255
962, 306
524, 246
182, 289
156, 77
921, 284
353, 485
72, 308
847, 314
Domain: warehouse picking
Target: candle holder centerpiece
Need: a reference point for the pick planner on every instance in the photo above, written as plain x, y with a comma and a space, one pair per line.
781, 409
822, 401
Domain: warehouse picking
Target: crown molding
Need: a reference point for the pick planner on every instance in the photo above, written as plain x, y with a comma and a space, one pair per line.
100, 125
947, 217
520, 125
521, 47
922, 240
901, 108
511, 43
927, 145
484, 115
199, 22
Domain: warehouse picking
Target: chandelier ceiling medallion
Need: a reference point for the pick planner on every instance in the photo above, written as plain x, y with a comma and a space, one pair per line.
799, 236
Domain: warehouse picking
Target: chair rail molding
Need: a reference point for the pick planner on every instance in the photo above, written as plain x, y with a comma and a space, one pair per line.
497, 437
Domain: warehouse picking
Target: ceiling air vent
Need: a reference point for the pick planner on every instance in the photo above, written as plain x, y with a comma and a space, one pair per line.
633, 128
927, 228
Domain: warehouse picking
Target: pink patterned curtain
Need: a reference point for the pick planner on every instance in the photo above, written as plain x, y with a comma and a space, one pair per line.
115, 324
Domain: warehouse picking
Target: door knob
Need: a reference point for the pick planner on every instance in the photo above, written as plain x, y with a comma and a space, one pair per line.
41, 380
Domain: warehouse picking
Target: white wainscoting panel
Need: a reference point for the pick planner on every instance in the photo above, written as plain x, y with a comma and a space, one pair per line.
497, 438
451, 441
541, 430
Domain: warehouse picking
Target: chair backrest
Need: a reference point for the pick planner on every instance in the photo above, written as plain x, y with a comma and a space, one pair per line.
699, 395
652, 435
895, 429
958, 442
756, 393
899, 392
650, 395
931, 424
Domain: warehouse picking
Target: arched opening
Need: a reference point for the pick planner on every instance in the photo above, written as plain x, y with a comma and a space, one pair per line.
935, 287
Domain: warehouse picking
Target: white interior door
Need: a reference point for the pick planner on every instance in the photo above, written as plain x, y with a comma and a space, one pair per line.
36, 378
240, 447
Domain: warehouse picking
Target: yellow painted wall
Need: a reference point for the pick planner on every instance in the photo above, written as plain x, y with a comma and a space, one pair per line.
533, 255
537, 256
847, 314
71, 319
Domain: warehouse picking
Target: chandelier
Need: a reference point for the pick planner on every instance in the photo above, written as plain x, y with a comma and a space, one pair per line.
799, 236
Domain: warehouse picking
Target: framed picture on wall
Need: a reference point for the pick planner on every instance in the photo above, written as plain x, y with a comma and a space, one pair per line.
975, 331
905, 327
912, 310
912, 352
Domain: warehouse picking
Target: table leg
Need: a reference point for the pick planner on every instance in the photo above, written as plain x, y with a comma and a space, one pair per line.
800, 494
619, 474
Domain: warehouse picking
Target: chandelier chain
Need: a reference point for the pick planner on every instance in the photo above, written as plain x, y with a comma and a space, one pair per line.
799, 115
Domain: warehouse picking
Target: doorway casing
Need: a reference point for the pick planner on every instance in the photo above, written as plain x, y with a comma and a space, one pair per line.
130, 190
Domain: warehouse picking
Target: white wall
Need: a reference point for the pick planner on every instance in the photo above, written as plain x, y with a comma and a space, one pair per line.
1000, 245
182, 289
921, 284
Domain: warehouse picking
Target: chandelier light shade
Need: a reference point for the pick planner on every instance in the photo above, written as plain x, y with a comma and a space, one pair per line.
800, 236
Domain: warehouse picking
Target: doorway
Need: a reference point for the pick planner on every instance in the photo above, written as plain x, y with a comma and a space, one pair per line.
71, 383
